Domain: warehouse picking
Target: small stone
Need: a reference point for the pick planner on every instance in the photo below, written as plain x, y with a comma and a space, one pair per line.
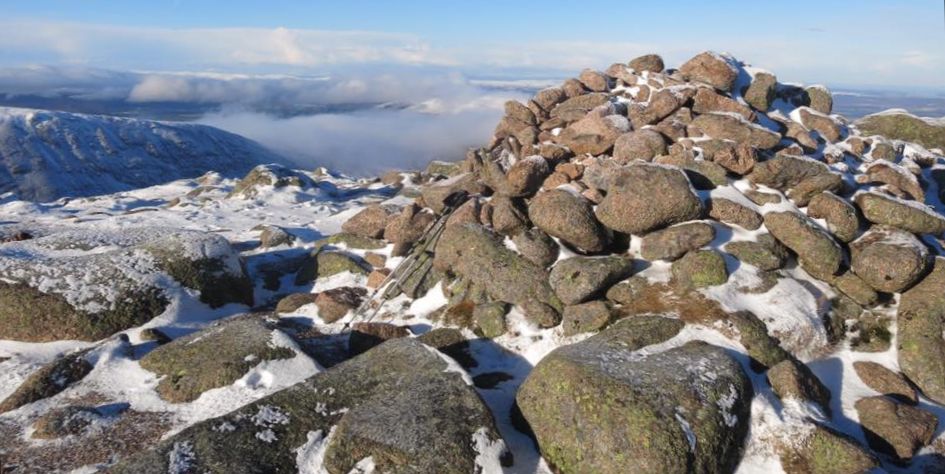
760, 94
890, 260
365, 336
295, 301
376, 260
766, 252
674, 242
711, 69
335, 303
841, 217
893, 428
578, 279
793, 379
537, 246
154, 334
377, 277
885, 381
818, 253
490, 319
586, 317
733, 213
699, 269
647, 63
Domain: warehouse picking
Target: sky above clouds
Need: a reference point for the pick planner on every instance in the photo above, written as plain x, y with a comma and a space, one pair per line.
847, 42
306, 77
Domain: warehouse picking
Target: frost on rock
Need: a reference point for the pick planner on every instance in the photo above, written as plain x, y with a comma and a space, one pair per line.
181, 458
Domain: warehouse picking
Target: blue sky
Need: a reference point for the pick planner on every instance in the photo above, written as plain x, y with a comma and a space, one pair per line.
849, 43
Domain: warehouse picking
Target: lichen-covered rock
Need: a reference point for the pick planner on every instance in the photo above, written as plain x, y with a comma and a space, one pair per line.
765, 252
578, 279
265, 176
909, 216
274, 236
712, 69
889, 259
824, 451
435, 195
480, 256
673, 242
814, 186
791, 379
585, 317
734, 128
904, 126
885, 381
733, 213
397, 404
370, 221
629, 205
88, 285
901, 180
570, 217
699, 269
647, 63
335, 303
525, 176
645, 412
819, 99
215, 357
408, 226
330, 263
840, 215
295, 301
702, 174
893, 428
761, 93
49, 380
366, 335
920, 324
594, 134
490, 319
509, 215
817, 252
706, 100
821, 123
644, 144
535, 245
784, 172
349, 241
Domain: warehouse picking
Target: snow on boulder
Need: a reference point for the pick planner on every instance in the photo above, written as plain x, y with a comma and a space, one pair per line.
87, 284
402, 404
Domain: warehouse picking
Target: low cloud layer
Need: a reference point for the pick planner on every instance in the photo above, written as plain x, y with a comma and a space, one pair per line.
369, 142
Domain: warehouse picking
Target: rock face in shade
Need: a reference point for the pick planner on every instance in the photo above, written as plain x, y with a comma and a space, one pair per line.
920, 323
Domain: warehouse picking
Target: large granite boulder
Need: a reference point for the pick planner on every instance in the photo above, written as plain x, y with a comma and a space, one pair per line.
645, 412
402, 404
87, 285
630, 206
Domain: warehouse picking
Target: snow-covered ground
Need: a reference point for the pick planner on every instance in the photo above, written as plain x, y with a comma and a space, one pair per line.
313, 213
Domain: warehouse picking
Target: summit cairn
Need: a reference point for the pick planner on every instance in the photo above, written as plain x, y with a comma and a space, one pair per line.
691, 194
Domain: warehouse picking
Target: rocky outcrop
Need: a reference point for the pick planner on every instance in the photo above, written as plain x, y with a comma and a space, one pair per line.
88, 285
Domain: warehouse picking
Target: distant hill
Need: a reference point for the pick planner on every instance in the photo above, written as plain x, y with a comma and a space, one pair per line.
46, 155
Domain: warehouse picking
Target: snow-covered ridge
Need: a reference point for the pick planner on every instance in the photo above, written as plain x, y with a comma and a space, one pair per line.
46, 155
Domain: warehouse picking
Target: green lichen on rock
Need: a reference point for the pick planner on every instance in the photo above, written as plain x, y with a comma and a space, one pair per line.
920, 324
49, 380
824, 451
904, 126
699, 269
480, 256
214, 357
396, 403
88, 285
351, 241
909, 216
645, 413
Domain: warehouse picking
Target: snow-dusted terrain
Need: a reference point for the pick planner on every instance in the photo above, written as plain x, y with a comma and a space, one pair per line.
46, 155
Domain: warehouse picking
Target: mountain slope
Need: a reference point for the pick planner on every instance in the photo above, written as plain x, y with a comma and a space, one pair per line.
46, 155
